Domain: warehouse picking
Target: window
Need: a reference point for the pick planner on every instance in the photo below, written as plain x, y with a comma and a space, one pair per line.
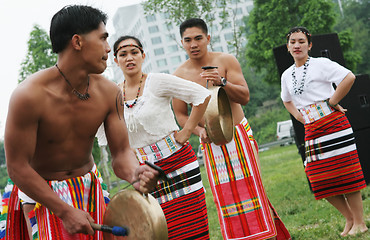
156, 40
176, 60
228, 36
218, 49
214, 28
165, 15
230, 48
153, 29
158, 51
216, 39
162, 63
170, 37
173, 48
150, 18
227, 25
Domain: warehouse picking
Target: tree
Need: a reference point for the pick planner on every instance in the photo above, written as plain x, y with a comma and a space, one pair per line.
355, 22
39, 55
2, 154
269, 22
179, 10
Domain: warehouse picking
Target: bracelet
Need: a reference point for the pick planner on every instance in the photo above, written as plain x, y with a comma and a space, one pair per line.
327, 100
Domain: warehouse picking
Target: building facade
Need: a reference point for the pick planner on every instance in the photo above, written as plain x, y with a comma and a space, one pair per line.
162, 41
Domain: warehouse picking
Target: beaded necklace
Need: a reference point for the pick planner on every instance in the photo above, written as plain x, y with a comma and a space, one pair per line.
137, 95
81, 96
299, 90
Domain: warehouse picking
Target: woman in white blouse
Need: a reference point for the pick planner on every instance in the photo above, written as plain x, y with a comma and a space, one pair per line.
156, 138
331, 165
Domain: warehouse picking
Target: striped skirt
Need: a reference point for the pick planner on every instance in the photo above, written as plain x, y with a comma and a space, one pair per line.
241, 202
182, 198
84, 192
332, 164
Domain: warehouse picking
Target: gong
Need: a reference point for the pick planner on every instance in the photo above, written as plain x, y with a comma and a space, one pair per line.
218, 117
141, 214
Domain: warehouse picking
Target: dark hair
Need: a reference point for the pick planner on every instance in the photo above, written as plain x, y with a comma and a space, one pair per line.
123, 38
71, 20
299, 29
193, 22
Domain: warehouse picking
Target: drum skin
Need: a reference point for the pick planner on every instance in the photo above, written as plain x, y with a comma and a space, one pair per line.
218, 117
141, 214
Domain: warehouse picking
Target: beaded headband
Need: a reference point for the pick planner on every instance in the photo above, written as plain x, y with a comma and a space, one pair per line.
297, 31
128, 45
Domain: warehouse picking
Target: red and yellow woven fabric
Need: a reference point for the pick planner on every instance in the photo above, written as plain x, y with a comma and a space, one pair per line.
240, 198
82, 192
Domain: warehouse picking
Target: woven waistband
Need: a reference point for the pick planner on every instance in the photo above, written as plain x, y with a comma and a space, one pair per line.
159, 150
316, 111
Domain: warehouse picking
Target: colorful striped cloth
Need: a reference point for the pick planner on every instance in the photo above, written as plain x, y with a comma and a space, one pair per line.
182, 198
332, 164
84, 192
240, 198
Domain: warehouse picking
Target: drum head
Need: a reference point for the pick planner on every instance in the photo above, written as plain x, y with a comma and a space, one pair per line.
141, 214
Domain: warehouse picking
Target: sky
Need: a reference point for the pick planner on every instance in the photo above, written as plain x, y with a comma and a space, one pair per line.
17, 18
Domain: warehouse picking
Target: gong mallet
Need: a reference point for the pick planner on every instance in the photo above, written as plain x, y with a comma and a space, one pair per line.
115, 230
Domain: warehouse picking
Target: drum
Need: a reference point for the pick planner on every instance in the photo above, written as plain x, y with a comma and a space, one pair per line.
218, 117
142, 214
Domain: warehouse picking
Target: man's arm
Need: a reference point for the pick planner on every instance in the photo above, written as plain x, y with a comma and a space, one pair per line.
236, 87
20, 143
125, 164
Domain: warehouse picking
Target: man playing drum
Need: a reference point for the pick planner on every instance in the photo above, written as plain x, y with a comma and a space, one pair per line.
52, 120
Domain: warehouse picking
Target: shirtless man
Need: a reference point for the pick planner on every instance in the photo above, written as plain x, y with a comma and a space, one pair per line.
228, 75
54, 115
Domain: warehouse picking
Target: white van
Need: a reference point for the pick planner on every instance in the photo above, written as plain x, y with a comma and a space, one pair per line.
284, 130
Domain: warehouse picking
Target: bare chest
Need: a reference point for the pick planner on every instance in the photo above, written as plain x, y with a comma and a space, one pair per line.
61, 120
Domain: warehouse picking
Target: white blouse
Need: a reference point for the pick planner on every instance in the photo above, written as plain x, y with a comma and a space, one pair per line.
152, 118
320, 74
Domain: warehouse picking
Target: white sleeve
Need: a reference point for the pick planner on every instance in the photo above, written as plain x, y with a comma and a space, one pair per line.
285, 96
335, 73
100, 134
166, 85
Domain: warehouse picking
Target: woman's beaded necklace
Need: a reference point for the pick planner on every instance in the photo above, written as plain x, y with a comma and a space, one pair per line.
137, 95
298, 90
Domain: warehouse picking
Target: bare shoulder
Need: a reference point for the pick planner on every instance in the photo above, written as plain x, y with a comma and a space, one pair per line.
103, 87
30, 91
183, 69
224, 58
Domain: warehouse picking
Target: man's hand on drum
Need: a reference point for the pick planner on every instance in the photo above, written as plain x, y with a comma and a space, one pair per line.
77, 221
204, 136
147, 179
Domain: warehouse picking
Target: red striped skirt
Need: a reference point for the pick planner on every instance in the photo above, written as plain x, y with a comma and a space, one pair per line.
182, 198
241, 202
332, 164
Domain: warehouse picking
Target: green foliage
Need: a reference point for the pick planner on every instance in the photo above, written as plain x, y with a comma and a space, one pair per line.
2, 153
39, 55
351, 57
96, 152
269, 22
264, 125
355, 19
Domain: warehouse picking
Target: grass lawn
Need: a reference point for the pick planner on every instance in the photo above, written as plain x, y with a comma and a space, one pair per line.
287, 188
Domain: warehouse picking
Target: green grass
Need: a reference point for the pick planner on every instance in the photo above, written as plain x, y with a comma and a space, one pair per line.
287, 188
